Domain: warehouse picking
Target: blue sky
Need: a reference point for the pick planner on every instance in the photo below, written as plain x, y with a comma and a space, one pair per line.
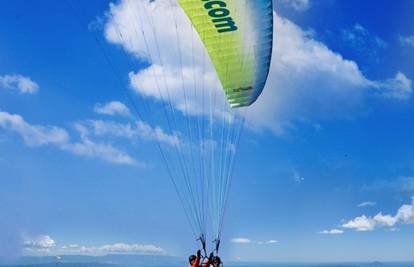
325, 166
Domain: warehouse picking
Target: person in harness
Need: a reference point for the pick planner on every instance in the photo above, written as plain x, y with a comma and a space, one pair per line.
215, 261
194, 260
198, 261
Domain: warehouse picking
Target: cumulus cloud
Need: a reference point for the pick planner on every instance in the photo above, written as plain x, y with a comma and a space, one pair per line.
138, 129
117, 248
146, 131
242, 240
111, 128
41, 244
177, 74
134, 248
89, 148
399, 87
308, 82
367, 204
23, 84
170, 88
113, 108
331, 232
299, 5
38, 135
385, 220
361, 223
404, 215
33, 135
407, 41
45, 245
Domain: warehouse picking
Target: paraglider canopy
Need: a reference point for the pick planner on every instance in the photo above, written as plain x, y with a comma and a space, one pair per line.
238, 36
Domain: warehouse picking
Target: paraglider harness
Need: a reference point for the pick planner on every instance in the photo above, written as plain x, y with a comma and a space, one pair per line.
213, 256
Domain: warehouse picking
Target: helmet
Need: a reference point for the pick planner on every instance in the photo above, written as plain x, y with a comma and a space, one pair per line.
192, 258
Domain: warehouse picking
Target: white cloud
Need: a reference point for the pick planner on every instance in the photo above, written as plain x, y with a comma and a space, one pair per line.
37, 135
272, 241
117, 248
157, 133
399, 87
170, 88
70, 246
131, 131
367, 204
361, 223
407, 41
39, 244
23, 84
308, 82
332, 232
45, 245
88, 148
299, 5
385, 220
102, 128
33, 135
404, 215
242, 240
113, 108
134, 248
